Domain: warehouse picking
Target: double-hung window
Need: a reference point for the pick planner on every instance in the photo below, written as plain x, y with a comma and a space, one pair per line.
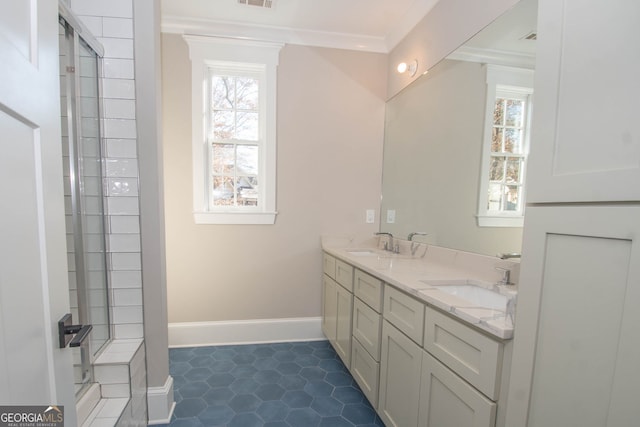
506, 146
234, 138
233, 130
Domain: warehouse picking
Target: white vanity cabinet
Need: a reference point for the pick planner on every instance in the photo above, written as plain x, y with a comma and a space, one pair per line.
461, 368
337, 306
417, 365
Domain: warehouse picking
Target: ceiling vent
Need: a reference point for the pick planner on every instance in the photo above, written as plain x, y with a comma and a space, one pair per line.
267, 4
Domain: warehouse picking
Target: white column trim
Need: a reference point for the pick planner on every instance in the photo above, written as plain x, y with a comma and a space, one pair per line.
160, 403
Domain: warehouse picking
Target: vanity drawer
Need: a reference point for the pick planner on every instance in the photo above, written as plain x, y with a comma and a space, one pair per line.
329, 265
368, 289
344, 275
404, 312
469, 353
367, 325
366, 372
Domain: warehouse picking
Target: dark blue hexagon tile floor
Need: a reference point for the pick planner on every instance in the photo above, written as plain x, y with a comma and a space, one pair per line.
302, 384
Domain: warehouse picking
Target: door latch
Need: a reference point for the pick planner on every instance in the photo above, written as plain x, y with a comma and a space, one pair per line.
71, 335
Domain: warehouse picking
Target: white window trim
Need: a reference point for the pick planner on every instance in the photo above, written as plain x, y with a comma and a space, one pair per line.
203, 50
518, 79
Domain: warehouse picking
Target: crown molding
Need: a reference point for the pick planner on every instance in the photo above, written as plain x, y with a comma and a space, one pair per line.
206, 27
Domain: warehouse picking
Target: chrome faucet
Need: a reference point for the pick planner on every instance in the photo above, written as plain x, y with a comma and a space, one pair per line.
414, 246
509, 255
388, 245
415, 233
506, 276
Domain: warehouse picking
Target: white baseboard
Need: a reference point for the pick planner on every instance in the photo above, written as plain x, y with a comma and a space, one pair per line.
160, 403
196, 334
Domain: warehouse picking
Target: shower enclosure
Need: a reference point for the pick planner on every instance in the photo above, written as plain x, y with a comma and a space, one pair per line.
80, 57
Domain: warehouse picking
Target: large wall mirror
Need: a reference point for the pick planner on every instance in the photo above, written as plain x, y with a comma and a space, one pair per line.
435, 132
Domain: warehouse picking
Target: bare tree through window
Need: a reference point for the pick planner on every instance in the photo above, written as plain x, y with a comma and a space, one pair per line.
234, 135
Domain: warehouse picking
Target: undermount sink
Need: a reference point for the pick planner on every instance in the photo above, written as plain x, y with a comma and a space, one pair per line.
477, 295
361, 252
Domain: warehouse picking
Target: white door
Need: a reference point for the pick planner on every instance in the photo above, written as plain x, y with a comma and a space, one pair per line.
585, 141
34, 290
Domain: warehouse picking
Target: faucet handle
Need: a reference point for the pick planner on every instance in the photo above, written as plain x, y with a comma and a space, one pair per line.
416, 233
506, 276
388, 245
509, 255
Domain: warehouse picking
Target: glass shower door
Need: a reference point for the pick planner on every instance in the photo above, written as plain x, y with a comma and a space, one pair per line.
86, 246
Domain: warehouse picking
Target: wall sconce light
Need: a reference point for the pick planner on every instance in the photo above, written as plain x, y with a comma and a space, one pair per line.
411, 67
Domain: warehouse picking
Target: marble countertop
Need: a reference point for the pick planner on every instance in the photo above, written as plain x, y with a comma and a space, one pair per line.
421, 274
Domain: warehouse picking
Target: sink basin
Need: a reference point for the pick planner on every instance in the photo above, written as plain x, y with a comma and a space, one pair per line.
361, 252
477, 295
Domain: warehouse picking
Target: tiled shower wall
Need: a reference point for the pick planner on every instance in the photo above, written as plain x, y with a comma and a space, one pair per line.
111, 22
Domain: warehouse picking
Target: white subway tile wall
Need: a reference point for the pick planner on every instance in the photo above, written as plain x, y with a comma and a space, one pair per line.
122, 187
125, 261
122, 206
120, 148
129, 331
119, 89
101, 8
111, 22
115, 68
122, 315
117, 28
120, 108
124, 224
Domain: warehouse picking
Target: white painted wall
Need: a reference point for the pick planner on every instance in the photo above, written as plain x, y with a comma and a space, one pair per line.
330, 132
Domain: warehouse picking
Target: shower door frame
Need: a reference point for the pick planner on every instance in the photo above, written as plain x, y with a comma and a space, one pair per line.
75, 34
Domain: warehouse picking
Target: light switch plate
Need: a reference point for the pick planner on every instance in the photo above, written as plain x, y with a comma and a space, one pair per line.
391, 216
371, 216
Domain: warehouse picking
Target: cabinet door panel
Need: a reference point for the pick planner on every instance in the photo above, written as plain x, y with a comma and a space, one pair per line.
368, 289
367, 325
585, 140
329, 308
329, 265
448, 401
471, 354
404, 312
577, 346
344, 310
344, 275
400, 364
366, 372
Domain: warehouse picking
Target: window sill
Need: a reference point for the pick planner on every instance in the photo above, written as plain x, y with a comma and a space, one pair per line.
231, 218
500, 221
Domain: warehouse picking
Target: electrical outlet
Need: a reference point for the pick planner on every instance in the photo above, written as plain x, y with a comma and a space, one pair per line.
391, 216
371, 216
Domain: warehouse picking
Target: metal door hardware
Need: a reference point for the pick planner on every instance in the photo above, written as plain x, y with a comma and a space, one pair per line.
71, 335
